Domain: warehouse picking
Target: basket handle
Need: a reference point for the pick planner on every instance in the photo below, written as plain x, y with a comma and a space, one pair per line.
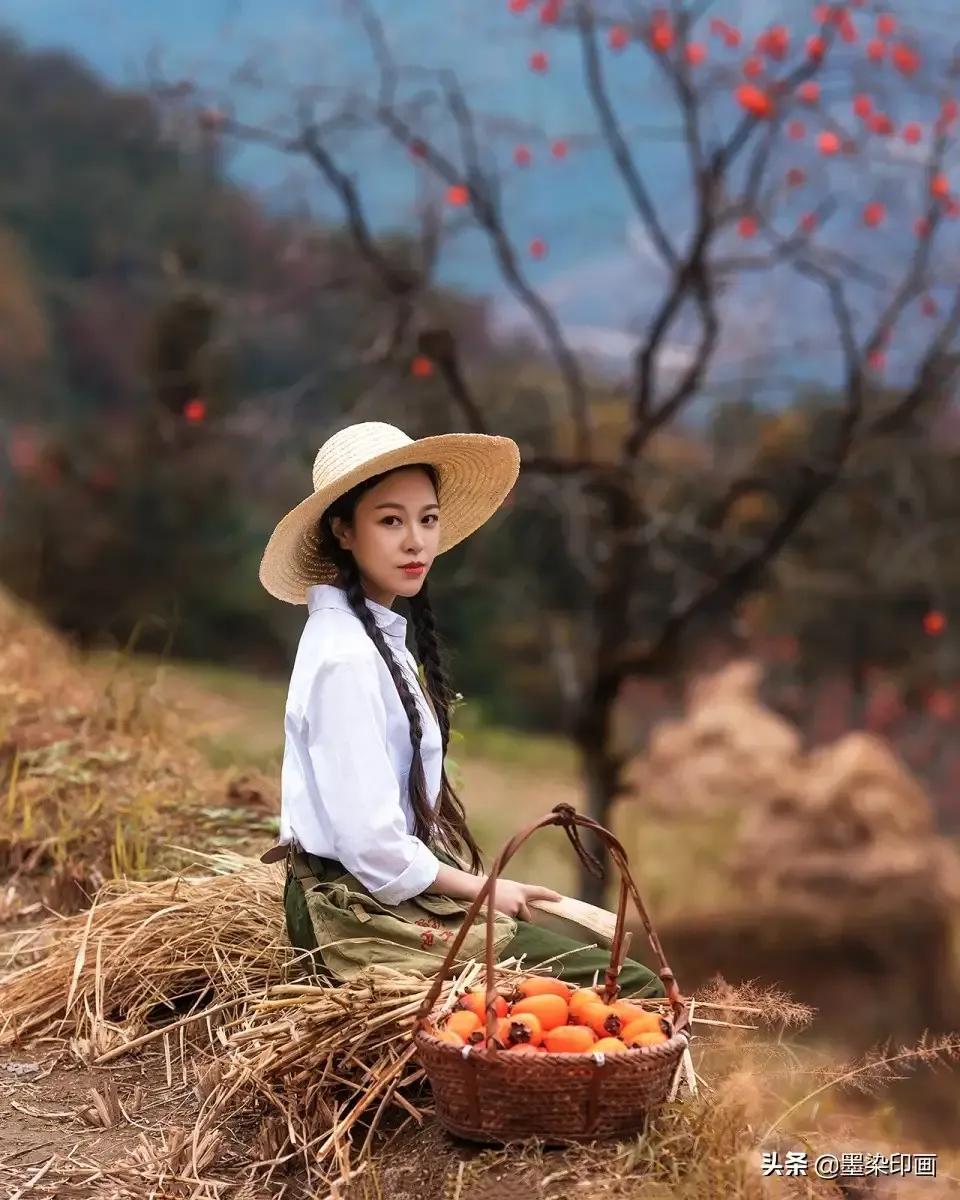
566, 816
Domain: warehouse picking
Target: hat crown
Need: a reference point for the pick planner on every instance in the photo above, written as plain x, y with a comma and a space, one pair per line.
349, 448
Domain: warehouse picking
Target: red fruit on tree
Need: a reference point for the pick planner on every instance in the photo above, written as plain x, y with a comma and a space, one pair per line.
940, 186
618, 37
809, 91
886, 25
458, 195
876, 360
550, 12
905, 59
522, 156
876, 50
695, 53
747, 227
539, 61
880, 123
195, 410
754, 100
662, 36
828, 143
873, 214
796, 177
949, 110
808, 222
862, 105
519, 6
538, 248
753, 66
421, 367
796, 130
848, 31
732, 37
934, 623
816, 47
821, 14
559, 149
912, 133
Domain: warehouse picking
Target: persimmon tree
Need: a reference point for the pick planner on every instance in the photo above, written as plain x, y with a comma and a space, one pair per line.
814, 160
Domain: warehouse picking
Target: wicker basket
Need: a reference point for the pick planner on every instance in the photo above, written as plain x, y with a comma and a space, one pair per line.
494, 1096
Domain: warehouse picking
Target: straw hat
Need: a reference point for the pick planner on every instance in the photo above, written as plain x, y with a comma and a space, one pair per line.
476, 472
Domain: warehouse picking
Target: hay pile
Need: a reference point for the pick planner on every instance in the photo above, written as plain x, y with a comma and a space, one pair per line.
293, 1088
96, 775
727, 751
845, 821
283, 1083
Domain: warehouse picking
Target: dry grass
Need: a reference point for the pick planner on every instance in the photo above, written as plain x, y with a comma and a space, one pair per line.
301, 1088
97, 773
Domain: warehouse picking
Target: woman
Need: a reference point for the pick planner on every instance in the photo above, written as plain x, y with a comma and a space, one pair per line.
373, 833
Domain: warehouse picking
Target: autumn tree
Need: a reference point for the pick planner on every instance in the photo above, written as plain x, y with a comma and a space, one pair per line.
815, 193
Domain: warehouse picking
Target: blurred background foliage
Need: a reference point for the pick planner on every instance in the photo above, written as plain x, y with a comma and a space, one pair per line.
172, 355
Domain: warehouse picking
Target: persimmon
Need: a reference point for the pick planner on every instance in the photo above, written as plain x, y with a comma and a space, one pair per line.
602, 1019
644, 1023
466, 1024
551, 1010
649, 1037
609, 1045
475, 1001
569, 1039
502, 1032
525, 1027
581, 997
525, 1048
627, 1011
544, 985
448, 1035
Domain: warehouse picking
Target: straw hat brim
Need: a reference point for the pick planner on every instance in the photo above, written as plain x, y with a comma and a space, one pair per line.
477, 471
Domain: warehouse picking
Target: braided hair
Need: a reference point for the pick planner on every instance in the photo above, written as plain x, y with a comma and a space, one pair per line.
446, 824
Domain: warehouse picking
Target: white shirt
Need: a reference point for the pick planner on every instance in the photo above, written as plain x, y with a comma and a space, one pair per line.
347, 750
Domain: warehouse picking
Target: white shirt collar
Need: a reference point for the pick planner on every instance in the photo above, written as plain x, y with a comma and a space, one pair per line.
328, 595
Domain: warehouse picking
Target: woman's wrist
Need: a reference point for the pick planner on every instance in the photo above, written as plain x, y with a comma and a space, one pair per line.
461, 885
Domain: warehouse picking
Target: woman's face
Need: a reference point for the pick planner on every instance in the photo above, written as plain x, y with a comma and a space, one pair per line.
396, 522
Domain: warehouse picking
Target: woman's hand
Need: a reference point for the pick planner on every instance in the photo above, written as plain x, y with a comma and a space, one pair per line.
513, 898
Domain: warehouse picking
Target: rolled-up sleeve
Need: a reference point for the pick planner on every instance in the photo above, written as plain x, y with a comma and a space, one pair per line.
345, 730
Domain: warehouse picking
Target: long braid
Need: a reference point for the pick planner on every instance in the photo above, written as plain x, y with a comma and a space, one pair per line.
442, 696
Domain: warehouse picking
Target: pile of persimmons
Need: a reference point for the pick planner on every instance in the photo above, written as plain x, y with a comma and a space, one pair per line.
547, 1016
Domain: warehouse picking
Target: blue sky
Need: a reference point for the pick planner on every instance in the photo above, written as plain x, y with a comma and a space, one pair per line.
600, 272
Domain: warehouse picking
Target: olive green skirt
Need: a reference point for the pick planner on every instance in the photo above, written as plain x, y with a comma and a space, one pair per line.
342, 928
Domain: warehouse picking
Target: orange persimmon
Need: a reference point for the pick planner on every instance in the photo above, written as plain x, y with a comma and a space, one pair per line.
448, 1035
581, 998
609, 1045
543, 985
569, 1039
525, 1027
627, 1011
549, 1009
475, 1001
649, 1037
602, 1019
649, 1022
524, 1048
467, 1024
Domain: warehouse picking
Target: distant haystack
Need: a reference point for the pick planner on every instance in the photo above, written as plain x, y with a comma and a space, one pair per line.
846, 820
728, 750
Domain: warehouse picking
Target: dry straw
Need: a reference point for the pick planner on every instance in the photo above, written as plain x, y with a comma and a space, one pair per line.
291, 1075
